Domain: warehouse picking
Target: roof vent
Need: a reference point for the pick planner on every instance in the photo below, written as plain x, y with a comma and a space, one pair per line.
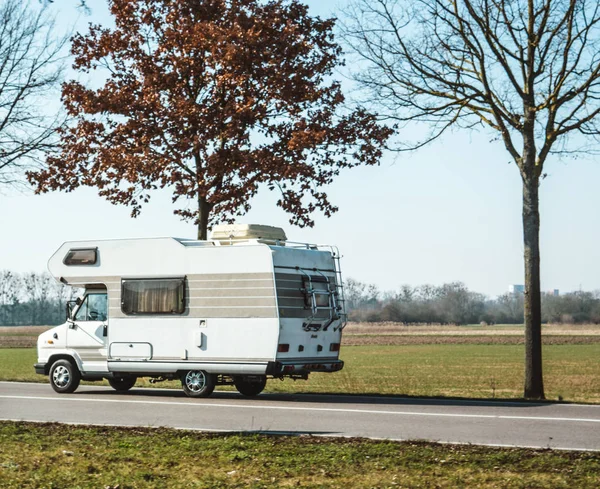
236, 233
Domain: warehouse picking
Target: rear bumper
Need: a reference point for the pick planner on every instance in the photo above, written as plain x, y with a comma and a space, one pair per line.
40, 368
305, 366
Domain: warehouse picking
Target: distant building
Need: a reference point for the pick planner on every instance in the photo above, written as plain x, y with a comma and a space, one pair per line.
520, 289
516, 289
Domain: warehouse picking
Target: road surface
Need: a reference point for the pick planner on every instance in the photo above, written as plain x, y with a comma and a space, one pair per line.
539, 425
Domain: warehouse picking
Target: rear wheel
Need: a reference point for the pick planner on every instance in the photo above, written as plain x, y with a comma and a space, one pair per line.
122, 384
197, 383
250, 385
64, 377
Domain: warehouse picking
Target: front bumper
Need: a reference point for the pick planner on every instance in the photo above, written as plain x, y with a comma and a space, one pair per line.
40, 368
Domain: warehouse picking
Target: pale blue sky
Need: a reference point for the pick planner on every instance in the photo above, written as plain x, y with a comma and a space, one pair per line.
450, 212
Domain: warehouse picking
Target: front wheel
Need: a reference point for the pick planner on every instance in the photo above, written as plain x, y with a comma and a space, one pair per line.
250, 386
64, 377
122, 384
197, 383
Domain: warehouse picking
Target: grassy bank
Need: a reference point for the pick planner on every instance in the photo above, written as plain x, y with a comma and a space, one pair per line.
55, 456
572, 372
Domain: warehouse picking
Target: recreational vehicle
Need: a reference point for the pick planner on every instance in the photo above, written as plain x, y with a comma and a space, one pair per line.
237, 309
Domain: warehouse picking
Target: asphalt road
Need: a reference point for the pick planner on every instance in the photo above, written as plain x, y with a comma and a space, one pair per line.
539, 425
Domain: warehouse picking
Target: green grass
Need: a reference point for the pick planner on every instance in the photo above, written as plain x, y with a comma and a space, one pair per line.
58, 456
572, 372
17, 364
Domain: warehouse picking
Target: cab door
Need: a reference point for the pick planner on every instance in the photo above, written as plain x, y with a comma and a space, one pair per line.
87, 333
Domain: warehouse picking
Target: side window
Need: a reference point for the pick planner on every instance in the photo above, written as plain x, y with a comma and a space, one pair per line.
153, 296
81, 256
93, 308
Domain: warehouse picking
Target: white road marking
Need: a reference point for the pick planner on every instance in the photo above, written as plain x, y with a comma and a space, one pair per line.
292, 433
22, 383
311, 409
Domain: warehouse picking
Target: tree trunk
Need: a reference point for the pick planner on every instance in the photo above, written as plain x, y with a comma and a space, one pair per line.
534, 384
204, 209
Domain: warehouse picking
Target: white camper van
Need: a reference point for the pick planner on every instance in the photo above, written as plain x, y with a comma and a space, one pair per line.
237, 309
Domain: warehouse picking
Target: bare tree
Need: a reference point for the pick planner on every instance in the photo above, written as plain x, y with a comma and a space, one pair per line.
32, 299
81, 5
10, 286
30, 69
528, 70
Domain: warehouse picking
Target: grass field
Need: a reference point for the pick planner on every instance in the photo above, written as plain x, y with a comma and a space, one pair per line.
499, 334
58, 456
357, 334
469, 329
20, 336
572, 372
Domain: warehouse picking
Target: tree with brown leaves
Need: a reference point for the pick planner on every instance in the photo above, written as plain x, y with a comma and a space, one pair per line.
527, 70
212, 99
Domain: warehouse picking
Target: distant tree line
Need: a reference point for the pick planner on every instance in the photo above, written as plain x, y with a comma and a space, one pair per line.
454, 303
32, 299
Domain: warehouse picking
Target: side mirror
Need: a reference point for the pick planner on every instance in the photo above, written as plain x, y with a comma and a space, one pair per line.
70, 309
78, 301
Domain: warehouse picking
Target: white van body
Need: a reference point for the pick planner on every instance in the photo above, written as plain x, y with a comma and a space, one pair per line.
231, 308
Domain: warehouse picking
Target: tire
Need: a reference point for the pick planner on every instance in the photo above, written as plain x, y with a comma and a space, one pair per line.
197, 383
250, 386
64, 377
122, 384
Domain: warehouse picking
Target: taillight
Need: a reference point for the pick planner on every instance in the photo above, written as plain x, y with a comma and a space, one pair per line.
334, 347
283, 348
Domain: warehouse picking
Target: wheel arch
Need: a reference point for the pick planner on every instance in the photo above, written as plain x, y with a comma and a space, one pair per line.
71, 357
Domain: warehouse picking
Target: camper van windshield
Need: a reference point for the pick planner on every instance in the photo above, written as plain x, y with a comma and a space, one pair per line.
93, 308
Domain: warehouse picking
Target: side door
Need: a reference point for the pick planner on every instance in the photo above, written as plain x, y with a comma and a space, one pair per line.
87, 334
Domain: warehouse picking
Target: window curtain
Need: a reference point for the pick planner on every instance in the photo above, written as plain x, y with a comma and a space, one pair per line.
153, 296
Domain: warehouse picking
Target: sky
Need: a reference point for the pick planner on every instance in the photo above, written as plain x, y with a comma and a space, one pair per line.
449, 212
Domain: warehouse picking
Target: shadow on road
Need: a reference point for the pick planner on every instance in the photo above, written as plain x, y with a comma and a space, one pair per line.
380, 400
398, 400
